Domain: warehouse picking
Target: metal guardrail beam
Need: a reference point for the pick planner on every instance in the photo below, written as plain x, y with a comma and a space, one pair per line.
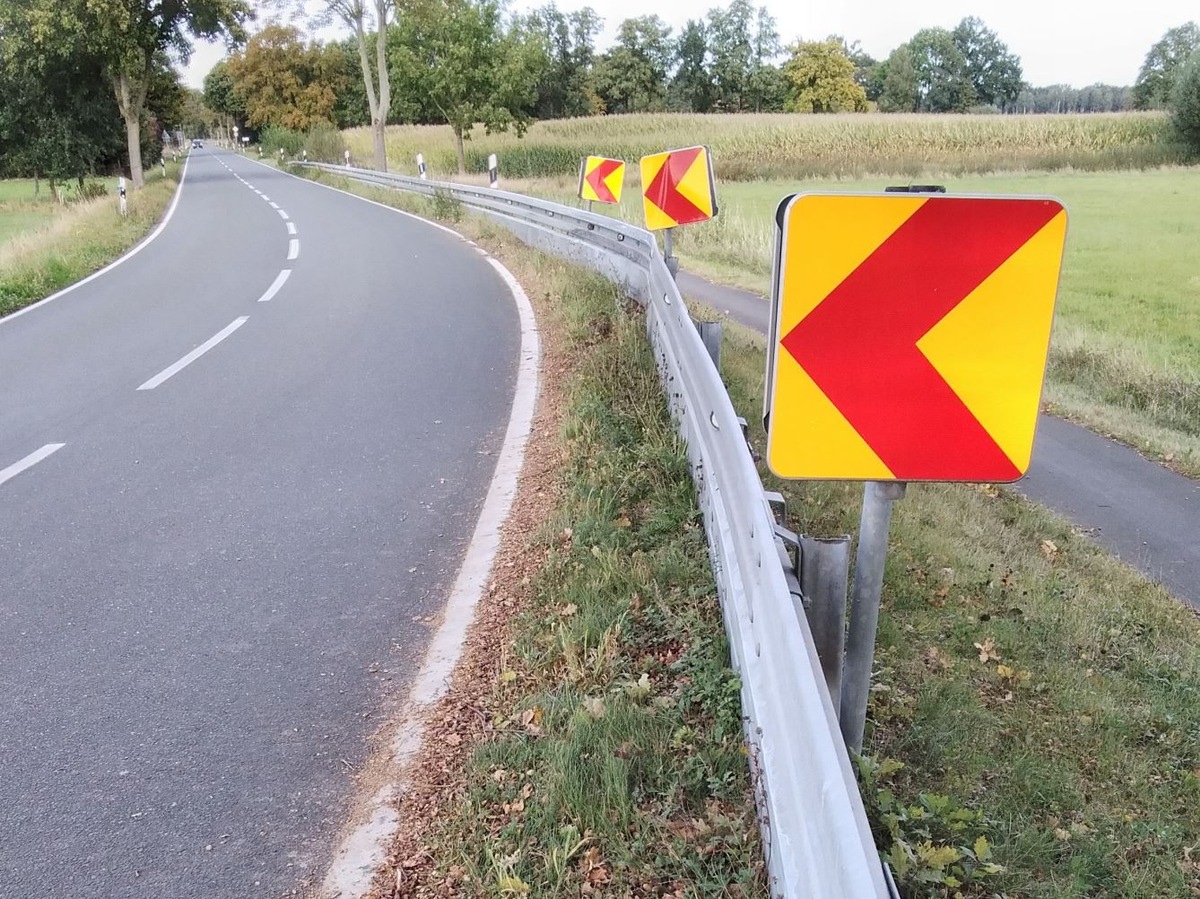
815, 831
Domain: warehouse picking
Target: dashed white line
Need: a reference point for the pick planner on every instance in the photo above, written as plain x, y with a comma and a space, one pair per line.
259, 192
29, 461
279, 281
291, 227
265, 197
274, 205
194, 354
293, 248
283, 215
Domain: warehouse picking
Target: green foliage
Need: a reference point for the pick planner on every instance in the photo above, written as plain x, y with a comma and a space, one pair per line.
566, 45
324, 143
743, 43
691, 88
822, 78
274, 138
932, 844
452, 61
1156, 79
943, 78
994, 72
898, 91
632, 76
1185, 104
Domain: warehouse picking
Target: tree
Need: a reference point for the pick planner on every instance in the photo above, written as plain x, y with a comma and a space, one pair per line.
994, 72
898, 81
130, 38
1185, 103
568, 41
369, 20
731, 44
220, 95
766, 86
943, 82
822, 78
284, 82
632, 76
691, 88
454, 57
1156, 79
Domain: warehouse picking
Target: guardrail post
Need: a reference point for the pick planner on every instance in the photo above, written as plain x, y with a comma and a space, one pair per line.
824, 578
711, 333
669, 252
878, 498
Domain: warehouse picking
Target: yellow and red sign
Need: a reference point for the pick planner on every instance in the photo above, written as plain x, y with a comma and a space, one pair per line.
910, 335
678, 188
601, 179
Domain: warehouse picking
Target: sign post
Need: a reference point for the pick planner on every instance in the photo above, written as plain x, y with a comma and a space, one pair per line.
909, 340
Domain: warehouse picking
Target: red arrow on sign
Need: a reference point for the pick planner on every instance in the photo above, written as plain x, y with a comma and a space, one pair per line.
859, 345
596, 179
664, 193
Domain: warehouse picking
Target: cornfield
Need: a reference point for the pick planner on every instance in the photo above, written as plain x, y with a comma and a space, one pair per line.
748, 147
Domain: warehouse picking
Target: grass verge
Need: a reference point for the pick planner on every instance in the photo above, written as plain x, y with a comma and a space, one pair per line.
1034, 729
79, 240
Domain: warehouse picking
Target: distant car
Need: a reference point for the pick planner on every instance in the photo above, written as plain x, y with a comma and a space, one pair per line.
197, 143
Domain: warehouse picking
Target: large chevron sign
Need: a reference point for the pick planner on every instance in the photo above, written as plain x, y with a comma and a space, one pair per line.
678, 188
910, 335
601, 179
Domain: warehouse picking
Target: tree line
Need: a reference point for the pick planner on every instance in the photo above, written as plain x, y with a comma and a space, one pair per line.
91, 84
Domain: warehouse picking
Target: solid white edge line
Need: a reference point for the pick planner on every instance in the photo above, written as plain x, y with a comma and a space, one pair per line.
279, 281
293, 248
364, 848
29, 461
291, 226
195, 354
137, 249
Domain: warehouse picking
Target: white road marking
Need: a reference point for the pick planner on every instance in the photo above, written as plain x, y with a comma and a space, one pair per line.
279, 281
283, 215
293, 248
259, 192
291, 227
265, 197
194, 354
274, 205
29, 461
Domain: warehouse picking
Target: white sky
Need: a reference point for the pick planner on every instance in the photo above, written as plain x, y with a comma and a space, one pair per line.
1058, 41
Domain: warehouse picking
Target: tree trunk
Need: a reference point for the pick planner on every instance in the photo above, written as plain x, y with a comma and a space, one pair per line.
460, 147
378, 110
379, 120
130, 99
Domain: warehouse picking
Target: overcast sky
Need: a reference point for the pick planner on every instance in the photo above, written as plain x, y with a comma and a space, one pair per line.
1058, 41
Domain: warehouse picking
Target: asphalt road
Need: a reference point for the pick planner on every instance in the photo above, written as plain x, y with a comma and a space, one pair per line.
211, 575
1143, 513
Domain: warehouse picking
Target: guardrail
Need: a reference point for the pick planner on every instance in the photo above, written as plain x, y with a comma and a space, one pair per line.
815, 832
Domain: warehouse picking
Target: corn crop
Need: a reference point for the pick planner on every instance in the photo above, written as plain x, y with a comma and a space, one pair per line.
749, 147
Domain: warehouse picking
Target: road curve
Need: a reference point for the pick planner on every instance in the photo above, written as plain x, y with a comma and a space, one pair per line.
1143, 513
237, 473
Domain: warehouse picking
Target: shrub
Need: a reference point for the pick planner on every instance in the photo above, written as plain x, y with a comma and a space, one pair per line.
274, 138
324, 143
1185, 104
90, 190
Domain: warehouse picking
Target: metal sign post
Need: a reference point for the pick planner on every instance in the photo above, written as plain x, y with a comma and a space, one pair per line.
878, 497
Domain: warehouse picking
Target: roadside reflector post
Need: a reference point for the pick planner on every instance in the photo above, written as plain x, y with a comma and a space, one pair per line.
824, 580
493, 171
878, 499
421, 166
346, 154
122, 202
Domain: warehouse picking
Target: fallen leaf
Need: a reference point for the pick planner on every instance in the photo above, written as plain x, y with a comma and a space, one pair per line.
987, 651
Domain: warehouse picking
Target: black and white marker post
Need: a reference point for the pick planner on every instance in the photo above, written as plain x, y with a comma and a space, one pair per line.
493, 171
421, 166
122, 203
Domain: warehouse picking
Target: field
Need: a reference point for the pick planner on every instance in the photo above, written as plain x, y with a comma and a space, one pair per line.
20, 211
748, 147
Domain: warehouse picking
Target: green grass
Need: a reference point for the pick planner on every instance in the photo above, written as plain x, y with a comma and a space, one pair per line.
749, 147
68, 243
14, 222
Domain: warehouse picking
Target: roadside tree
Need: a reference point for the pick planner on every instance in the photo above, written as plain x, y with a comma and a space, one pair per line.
992, 69
631, 77
1185, 103
943, 80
